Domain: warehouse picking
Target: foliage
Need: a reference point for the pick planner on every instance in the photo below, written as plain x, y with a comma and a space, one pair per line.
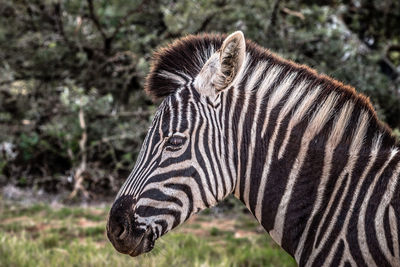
41, 235
72, 110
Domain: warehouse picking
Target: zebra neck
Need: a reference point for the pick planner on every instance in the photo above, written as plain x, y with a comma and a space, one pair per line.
294, 145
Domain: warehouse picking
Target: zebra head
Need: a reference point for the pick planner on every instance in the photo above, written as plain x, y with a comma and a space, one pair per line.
181, 168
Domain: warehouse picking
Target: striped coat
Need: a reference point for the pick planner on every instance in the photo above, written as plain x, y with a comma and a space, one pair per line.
305, 153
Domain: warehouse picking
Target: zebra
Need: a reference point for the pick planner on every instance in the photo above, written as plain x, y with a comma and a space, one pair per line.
305, 153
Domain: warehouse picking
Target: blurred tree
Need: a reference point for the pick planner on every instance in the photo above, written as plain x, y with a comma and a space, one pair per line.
72, 110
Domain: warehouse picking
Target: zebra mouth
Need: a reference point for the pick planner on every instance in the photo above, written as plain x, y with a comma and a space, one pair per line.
144, 245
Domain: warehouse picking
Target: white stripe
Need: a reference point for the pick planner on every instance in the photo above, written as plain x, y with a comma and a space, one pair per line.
362, 235
355, 147
318, 121
394, 231
231, 145
265, 86
335, 136
379, 223
169, 75
201, 146
273, 101
260, 69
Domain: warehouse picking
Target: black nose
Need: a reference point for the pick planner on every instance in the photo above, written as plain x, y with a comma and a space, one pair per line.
121, 226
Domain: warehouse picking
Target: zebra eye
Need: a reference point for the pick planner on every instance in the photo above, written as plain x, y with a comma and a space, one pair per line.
176, 141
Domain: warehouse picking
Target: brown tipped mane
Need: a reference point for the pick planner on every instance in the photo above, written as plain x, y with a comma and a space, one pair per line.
178, 62
181, 61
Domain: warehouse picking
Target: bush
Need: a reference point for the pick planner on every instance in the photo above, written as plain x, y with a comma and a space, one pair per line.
72, 110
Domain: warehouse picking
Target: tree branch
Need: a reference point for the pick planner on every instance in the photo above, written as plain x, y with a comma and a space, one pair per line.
274, 17
293, 13
205, 23
392, 48
60, 25
139, 113
95, 20
6, 82
80, 172
124, 19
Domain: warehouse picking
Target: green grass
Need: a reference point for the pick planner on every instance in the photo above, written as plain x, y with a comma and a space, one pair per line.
39, 235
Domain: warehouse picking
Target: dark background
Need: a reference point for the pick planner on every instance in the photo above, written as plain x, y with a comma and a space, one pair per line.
72, 110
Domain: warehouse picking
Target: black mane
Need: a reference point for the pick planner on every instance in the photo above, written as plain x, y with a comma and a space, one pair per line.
185, 58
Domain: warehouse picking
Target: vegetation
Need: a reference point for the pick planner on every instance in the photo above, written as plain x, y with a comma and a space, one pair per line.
72, 110
41, 235
73, 113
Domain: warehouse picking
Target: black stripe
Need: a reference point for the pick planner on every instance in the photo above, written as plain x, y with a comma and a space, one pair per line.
246, 141
227, 107
396, 210
212, 152
158, 195
338, 254
388, 233
199, 156
372, 207
280, 169
305, 191
323, 254
186, 190
260, 153
164, 226
352, 231
339, 160
149, 211
207, 149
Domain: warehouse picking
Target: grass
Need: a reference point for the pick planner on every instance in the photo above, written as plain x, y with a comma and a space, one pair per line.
40, 235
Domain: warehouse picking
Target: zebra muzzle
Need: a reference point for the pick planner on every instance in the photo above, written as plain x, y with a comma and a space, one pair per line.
124, 233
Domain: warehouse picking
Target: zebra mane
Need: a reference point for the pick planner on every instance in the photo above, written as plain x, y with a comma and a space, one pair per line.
181, 61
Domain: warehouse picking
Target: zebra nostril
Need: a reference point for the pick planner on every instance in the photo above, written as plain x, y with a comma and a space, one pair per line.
118, 231
123, 233
120, 218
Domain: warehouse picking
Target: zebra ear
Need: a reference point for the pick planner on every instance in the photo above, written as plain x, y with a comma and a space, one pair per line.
231, 58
